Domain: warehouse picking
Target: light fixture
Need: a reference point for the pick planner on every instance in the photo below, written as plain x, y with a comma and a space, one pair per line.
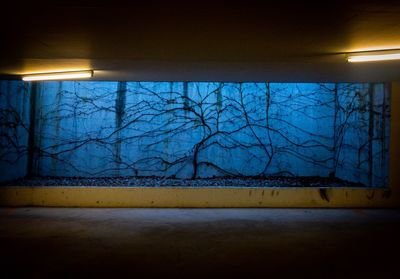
371, 56
58, 75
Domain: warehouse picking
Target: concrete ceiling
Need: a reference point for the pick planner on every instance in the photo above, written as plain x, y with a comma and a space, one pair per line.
205, 42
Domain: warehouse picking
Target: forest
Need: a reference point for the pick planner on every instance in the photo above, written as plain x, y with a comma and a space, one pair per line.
195, 130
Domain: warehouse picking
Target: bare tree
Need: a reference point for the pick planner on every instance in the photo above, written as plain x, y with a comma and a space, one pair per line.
169, 129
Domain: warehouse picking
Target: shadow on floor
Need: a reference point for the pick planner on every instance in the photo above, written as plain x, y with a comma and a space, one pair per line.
199, 243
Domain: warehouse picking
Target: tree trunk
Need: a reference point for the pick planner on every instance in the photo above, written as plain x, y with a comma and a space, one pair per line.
185, 96
370, 133
30, 170
58, 115
267, 123
219, 96
120, 102
335, 132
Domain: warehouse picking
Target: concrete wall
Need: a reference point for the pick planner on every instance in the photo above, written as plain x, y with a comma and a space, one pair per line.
199, 129
221, 197
206, 129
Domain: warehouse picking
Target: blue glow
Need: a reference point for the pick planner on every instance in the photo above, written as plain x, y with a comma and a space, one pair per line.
195, 129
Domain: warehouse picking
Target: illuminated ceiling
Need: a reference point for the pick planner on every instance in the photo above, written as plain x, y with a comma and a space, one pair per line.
248, 42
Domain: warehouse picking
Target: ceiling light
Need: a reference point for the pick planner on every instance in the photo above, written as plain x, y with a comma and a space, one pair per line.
58, 76
371, 56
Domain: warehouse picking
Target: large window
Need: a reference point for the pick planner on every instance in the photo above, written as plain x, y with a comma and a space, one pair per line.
271, 134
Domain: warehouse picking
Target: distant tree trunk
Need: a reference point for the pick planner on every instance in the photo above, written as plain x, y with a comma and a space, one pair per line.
219, 96
169, 107
370, 133
267, 123
57, 125
384, 147
335, 132
30, 170
171, 89
383, 125
185, 96
120, 102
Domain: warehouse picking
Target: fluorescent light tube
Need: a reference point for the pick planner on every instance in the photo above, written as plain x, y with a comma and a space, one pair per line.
371, 56
58, 76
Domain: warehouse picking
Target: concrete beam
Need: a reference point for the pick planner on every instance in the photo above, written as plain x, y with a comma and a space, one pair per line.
196, 197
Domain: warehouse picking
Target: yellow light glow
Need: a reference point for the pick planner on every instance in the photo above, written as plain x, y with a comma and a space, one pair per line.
58, 76
385, 55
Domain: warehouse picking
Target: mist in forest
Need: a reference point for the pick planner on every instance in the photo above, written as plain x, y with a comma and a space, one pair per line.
194, 130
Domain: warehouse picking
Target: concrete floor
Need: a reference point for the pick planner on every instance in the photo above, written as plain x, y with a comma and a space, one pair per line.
199, 243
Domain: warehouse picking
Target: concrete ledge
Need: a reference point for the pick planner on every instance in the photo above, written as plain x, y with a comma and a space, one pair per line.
196, 197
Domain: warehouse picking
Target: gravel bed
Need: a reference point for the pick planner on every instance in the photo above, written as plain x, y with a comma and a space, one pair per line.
273, 181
